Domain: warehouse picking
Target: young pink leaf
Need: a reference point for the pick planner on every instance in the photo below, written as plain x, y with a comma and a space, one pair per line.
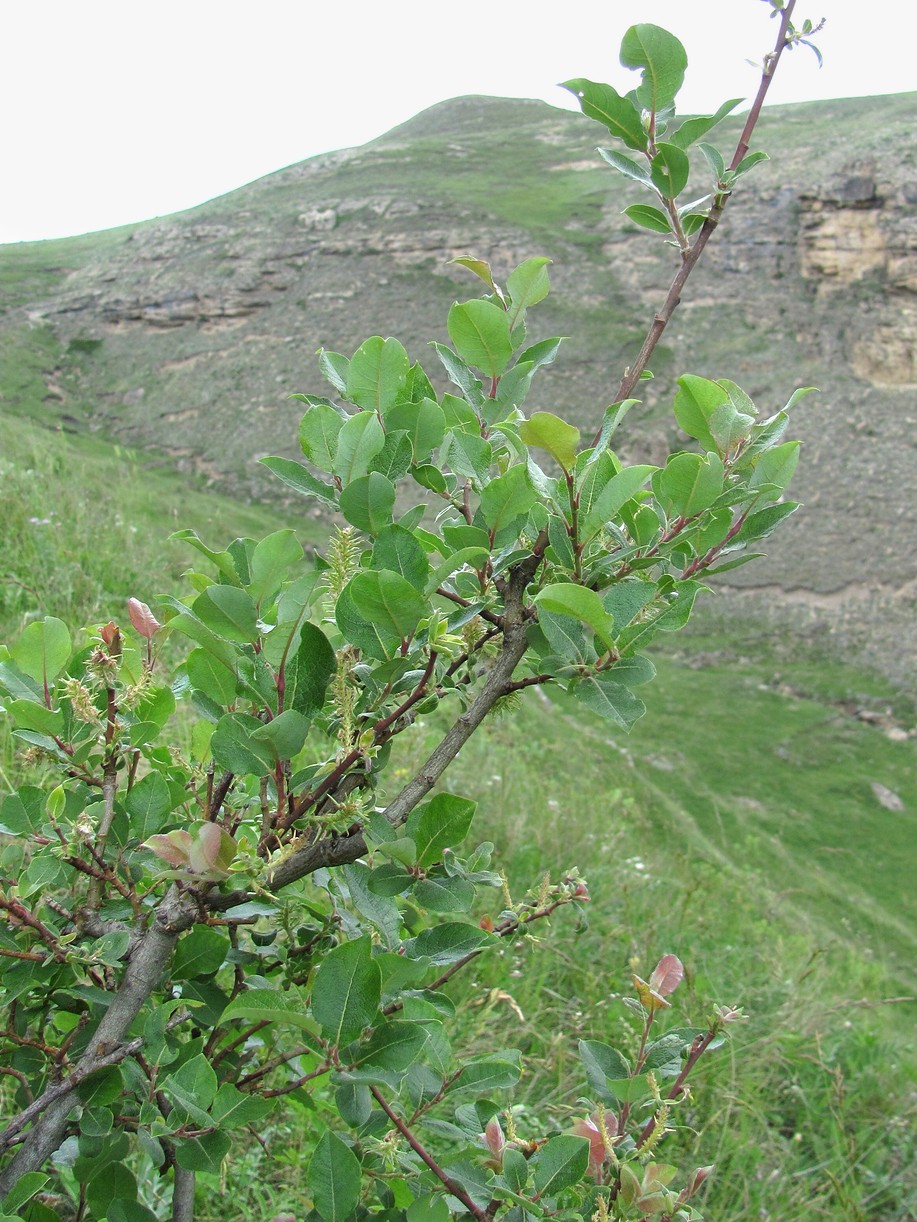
111, 636
212, 851
649, 998
143, 618
495, 1140
173, 847
667, 975
589, 1128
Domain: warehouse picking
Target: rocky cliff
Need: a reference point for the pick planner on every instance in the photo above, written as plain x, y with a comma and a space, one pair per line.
187, 334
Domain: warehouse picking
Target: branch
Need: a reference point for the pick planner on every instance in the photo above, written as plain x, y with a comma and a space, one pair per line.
50, 1111
341, 850
455, 1188
690, 257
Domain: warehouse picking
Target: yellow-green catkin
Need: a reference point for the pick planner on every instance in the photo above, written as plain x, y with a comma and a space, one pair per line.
343, 561
659, 1130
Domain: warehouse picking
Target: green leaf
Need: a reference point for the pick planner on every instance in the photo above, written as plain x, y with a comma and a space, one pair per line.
334, 369
663, 60
29, 715
379, 910
209, 675
393, 1046
481, 269
428, 1209
669, 170
695, 402
334, 1178
460, 375
424, 423
42, 649
507, 497
775, 467
229, 612
561, 1163
195, 1079
430, 477
23, 812
485, 1074
234, 748
712, 156
388, 601
378, 374
527, 284
115, 1182
319, 431
480, 331
748, 162
567, 598
546, 431
121, 1210
445, 894
565, 637
205, 1153
367, 502
541, 354
308, 671
610, 698
373, 639
201, 952
23, 1190
674, 616
649, 218
760, 525
286, 733
689, 483
394, 459
729, 426
354, 1103
608, 500
468, 455
611, 419
398, 551
449, 942
441, 823
227, 562
232, 1108
359, 441
605, 104
628, 167
296, 476
347, 990
474, 557
148, 803
693, 129
601, 1063
272, 559
270, 1006
20, 685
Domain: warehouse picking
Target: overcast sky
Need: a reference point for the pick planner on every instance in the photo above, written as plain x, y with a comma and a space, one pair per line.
120, 110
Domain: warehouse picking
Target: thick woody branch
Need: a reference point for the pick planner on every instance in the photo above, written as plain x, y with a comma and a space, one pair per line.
50, 1112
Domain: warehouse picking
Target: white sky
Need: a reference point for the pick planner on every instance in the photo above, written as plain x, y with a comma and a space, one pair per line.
119, 110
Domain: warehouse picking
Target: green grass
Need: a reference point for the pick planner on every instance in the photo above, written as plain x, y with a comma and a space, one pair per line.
810, 1112
84, 525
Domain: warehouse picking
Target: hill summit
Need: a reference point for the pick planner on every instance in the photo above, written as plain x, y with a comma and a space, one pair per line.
187, 334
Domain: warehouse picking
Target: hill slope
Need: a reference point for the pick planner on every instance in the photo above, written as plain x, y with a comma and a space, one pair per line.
186, 334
